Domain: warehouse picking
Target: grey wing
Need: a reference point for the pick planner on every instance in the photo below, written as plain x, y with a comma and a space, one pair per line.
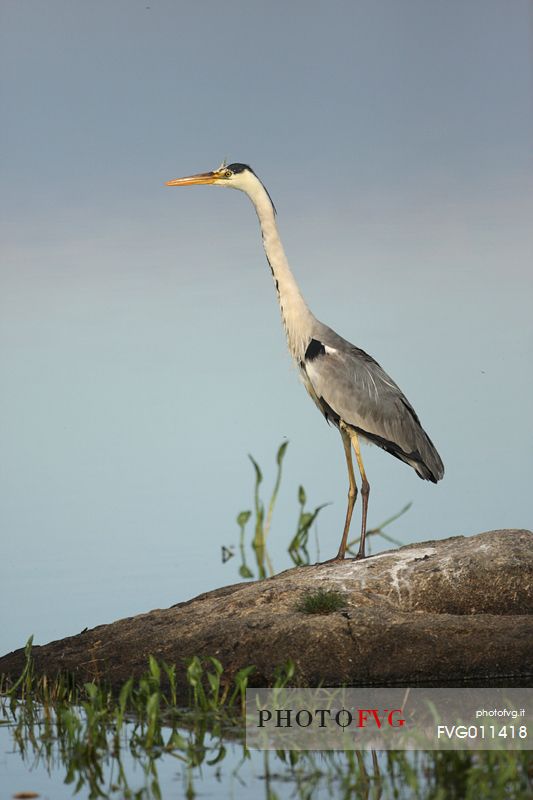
349, 385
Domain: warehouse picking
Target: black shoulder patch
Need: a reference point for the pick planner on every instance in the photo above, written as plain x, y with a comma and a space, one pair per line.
314, 349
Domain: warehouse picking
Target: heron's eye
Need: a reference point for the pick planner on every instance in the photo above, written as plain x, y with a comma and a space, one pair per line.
228, 173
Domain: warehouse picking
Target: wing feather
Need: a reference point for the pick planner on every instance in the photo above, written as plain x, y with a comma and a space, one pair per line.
350, 385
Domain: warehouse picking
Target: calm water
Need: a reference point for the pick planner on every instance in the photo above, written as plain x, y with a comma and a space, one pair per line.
235, 775
227, 772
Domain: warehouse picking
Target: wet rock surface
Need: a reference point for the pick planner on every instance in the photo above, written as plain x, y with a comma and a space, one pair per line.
440, 611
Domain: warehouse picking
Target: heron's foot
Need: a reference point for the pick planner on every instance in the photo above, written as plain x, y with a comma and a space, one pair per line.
335, 560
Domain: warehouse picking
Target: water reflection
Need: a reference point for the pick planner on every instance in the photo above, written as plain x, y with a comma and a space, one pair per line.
203, 762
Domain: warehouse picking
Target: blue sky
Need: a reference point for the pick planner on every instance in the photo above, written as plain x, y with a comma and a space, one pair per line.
142, 355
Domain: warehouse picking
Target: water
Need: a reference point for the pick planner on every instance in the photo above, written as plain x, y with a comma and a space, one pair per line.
217, 768
235, 774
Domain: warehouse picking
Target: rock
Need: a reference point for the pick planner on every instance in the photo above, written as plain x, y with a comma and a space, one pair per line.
441, 611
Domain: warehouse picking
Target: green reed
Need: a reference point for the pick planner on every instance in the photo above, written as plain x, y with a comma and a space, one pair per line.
89, 730
299, 547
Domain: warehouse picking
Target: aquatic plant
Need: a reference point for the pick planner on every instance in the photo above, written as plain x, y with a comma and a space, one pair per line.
299, 544
95, 736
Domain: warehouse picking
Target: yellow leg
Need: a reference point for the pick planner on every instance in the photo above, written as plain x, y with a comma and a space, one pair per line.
352, 493
365, 491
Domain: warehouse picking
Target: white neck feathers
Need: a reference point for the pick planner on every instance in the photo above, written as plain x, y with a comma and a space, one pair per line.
297, 319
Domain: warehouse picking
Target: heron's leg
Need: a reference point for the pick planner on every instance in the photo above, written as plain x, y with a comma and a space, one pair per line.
365, 491
352, 492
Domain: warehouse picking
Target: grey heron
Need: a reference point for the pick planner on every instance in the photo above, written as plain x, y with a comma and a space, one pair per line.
349, 387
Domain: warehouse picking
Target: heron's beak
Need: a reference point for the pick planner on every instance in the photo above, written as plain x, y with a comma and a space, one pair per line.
202, 177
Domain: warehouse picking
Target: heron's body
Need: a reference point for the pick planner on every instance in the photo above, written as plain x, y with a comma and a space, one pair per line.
349, 387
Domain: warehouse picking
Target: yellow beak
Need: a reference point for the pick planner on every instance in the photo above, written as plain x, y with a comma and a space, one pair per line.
202, 177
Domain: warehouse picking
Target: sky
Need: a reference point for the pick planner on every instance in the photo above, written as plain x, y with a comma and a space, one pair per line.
141, 353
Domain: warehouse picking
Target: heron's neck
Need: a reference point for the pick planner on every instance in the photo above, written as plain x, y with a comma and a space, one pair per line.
297, 319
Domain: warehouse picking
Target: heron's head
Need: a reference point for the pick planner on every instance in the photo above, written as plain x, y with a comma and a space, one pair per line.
234, 176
